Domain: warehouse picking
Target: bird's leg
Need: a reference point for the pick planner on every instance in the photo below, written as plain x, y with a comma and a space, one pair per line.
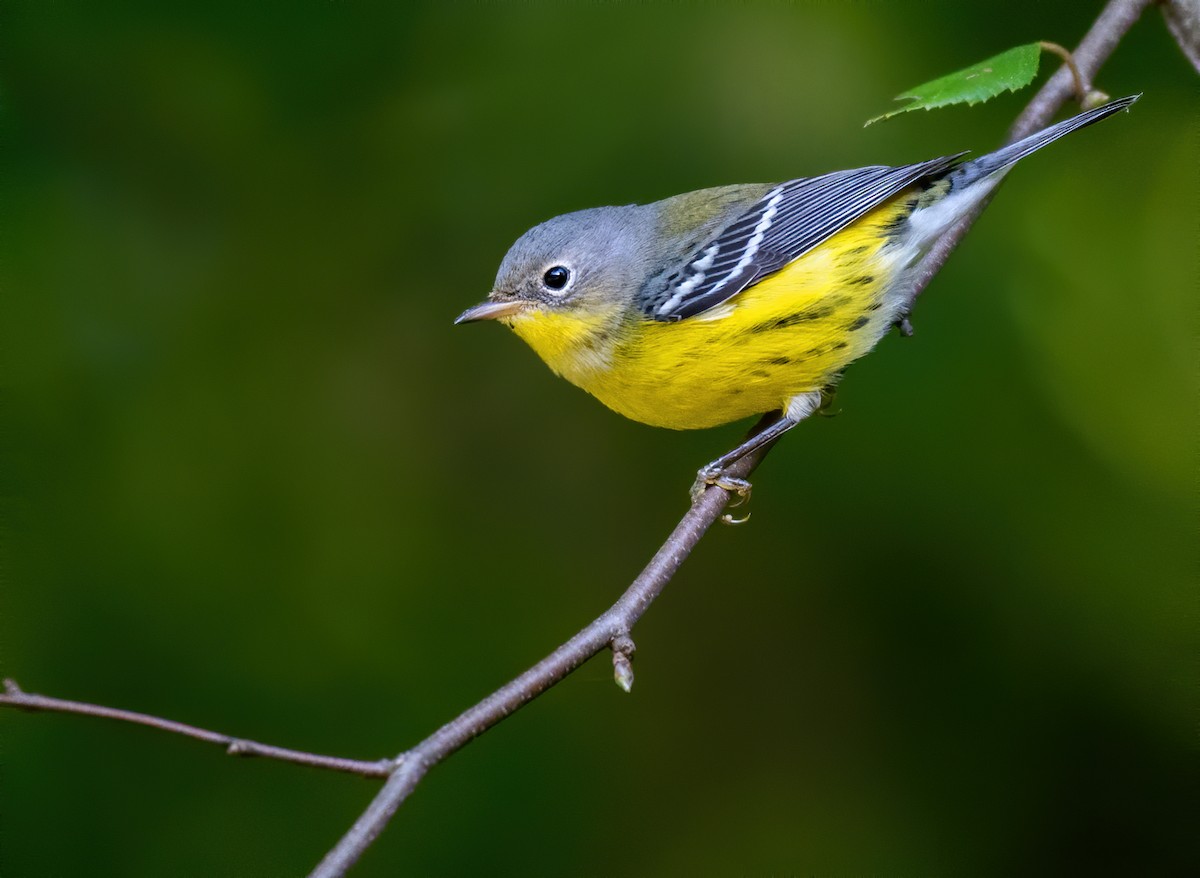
713, 473
799, 408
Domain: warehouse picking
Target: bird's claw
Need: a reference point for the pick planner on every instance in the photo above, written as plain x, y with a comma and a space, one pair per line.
710, 475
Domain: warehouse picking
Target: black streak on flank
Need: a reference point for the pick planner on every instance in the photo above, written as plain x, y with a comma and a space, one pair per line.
896, 223
761, 373
792, 320
778, 361
859, 323
863, 280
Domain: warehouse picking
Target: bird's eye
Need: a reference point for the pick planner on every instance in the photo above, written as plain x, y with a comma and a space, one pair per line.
557, 277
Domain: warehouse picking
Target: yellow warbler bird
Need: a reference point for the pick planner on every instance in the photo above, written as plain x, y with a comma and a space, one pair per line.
723, 303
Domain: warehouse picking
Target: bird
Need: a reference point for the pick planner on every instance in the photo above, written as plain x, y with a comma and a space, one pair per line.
714, 305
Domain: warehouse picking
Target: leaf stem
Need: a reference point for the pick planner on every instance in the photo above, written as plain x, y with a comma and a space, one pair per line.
1081, 89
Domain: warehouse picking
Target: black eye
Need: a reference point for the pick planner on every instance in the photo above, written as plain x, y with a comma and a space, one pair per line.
556, 278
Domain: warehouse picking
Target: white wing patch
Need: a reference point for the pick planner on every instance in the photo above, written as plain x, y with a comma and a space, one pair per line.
756, 239
702, 265
699, 267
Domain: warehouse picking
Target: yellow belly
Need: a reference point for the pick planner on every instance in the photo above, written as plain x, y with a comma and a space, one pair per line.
791, 333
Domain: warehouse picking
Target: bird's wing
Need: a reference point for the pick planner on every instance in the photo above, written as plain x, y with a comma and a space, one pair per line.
783, 225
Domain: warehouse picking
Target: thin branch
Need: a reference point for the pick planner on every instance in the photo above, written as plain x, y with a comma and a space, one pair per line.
1183, 21
1112, 24
14, 696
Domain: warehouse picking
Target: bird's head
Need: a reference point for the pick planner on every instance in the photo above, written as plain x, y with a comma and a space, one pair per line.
567, 285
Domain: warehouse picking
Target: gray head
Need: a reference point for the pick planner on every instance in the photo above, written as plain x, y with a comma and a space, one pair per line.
587, 264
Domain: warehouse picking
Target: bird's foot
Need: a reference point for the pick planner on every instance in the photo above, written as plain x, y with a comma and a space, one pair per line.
716, 476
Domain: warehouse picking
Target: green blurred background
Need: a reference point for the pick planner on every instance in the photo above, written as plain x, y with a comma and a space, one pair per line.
255, 480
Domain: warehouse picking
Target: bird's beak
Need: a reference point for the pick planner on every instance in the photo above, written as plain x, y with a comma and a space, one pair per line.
491, 310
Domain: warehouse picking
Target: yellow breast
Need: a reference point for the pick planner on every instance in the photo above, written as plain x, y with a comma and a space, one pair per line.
791, 333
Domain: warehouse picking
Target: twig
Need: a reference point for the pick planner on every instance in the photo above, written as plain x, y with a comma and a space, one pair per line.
1183, 21
14, 696
1112, 24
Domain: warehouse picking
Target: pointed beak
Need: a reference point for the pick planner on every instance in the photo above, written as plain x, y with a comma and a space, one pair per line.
490, 310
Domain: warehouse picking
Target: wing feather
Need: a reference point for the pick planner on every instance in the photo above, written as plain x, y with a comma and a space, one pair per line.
782, 226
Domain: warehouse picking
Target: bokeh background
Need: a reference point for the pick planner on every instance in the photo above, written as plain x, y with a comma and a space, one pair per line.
255, 480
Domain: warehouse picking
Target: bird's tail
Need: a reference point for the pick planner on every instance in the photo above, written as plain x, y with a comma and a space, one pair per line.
1002, 159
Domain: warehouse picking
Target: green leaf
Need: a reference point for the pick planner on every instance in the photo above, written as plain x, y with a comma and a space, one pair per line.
1008, 71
